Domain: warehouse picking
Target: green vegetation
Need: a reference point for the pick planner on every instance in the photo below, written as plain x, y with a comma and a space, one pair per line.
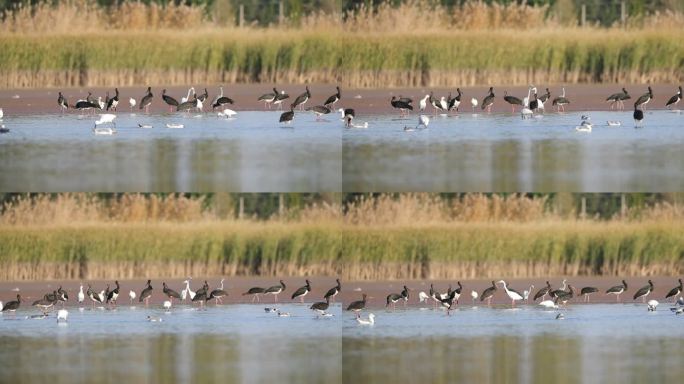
412, 44
377, 237
358, 61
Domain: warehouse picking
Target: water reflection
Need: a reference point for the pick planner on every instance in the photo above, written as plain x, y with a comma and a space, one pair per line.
167, 358
250, 154
505, 153
543, 358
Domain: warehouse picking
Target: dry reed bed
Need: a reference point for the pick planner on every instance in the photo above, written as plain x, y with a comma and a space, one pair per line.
388, 237
412, 45
472, 58
473, 250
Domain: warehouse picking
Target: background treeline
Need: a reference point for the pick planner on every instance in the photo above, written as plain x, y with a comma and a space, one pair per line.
268, 12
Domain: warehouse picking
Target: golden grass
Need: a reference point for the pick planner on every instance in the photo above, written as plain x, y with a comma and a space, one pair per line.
386, 237
411, 45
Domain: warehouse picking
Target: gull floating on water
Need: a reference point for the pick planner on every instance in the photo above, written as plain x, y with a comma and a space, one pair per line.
154, 319
652, 305
146, 126
174, 126
62, 315
614, 123
227, 113
585, 125
370, 321
283, 314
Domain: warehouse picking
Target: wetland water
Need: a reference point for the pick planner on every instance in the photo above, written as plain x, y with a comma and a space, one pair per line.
502, 152
239, 342
254, 153
245, 154
595, 343
227, 344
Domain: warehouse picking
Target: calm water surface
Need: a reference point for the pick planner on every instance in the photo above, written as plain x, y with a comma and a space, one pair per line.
254, 153
228, 344
595, 343
608, 343
502, 152
251, 153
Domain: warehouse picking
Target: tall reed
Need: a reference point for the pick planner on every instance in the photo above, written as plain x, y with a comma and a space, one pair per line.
410, 45
390, 236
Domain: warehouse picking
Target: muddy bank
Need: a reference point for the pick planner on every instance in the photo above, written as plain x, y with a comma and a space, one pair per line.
364, 101
379, 290
351, 290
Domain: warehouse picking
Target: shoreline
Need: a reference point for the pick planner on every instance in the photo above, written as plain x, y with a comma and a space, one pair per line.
584, 97
351, 290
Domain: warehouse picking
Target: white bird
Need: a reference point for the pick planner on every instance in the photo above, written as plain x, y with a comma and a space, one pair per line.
423, 121
613, 123
512, 294
101, 103
1, 114
154, 319
81, 295
0, 306
106, 118
548, 304
131, 295
526, 112
199, 105
186, 98
423, 102
443, 104
474, 295
283, 314
167, 304
62, 314
102, 295
422, 297
227, 113
526, 294
132, 103
652, 305
271, 310
145, 126
370, 321
174, 126
187, 291
473, 102
585, 125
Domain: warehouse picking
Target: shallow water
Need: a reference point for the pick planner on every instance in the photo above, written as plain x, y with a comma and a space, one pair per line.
234, 344
254, 153
250, 153
502, 152
594, 343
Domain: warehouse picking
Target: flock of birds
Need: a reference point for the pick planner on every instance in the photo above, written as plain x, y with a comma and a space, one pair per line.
109, 296
530, 104
449, 300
